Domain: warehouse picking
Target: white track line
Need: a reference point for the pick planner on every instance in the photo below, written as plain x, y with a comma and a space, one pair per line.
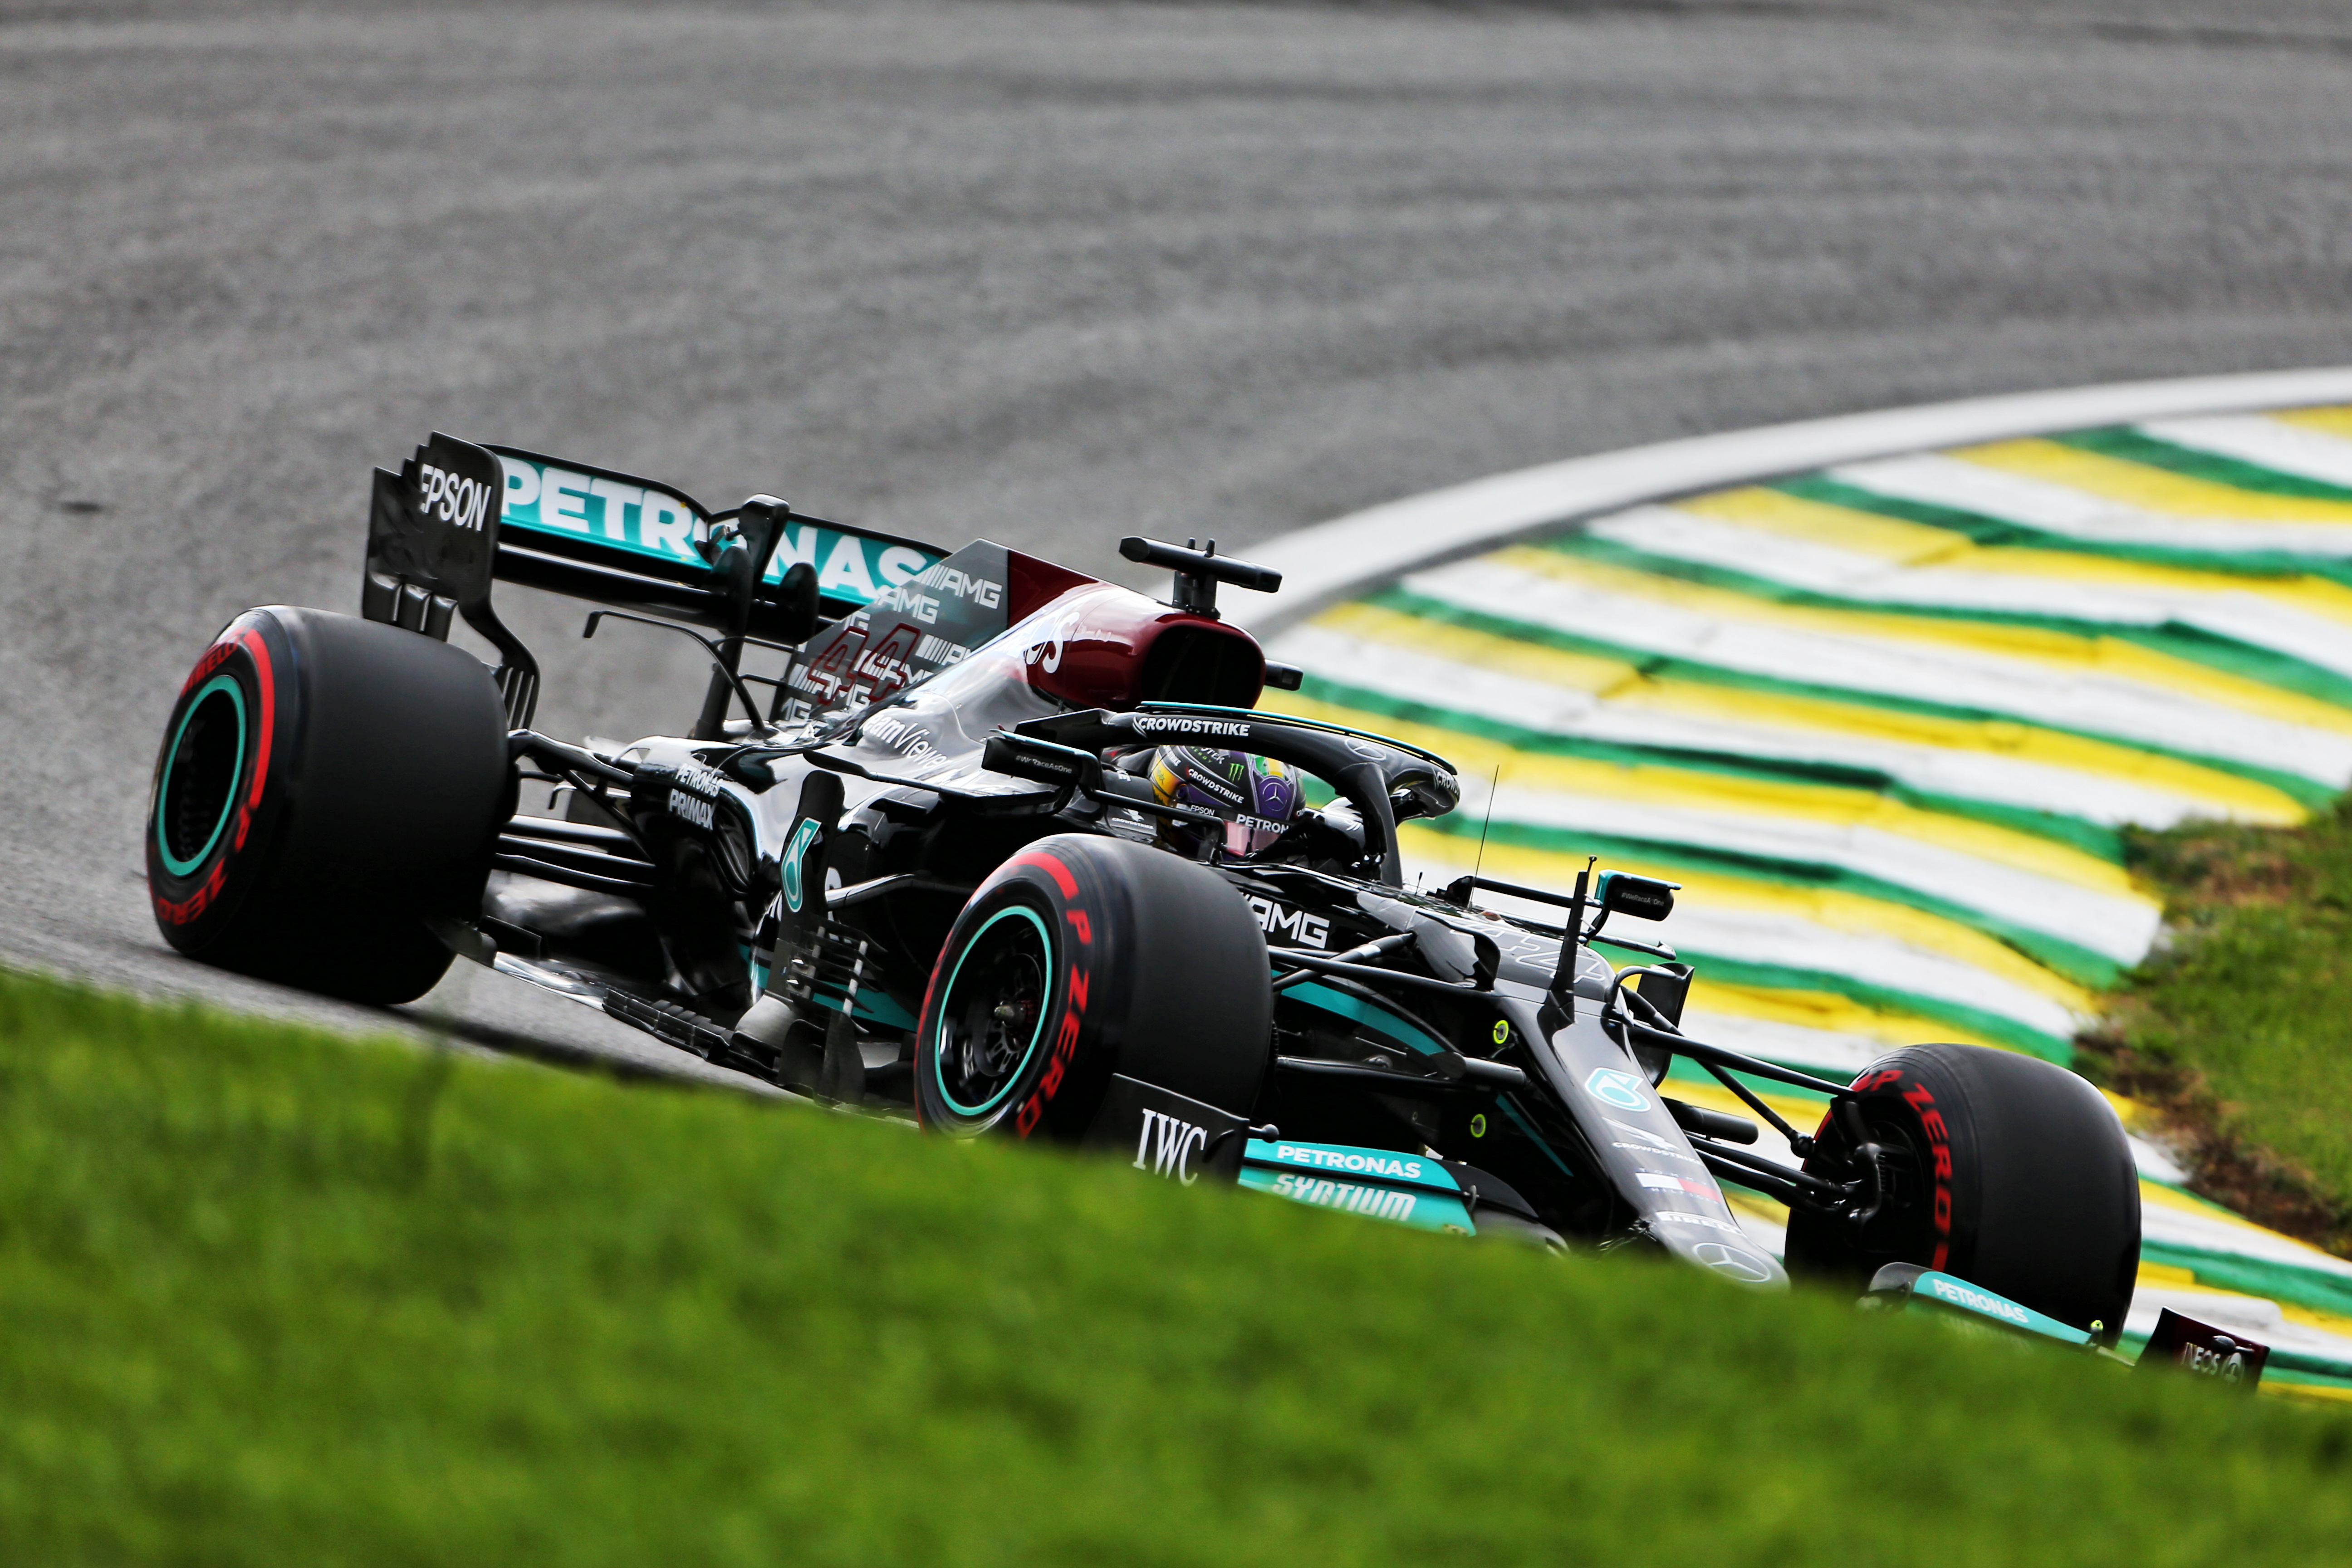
1349, 554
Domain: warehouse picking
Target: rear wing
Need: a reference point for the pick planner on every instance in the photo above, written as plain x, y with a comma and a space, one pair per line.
596, 534
458, 517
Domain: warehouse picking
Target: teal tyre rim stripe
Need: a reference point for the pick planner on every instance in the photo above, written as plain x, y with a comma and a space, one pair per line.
947, 1012
220, 685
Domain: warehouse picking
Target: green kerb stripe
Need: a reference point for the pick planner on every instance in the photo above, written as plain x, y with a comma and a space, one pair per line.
1993, 532
2076, 832
1990, 531
2191, 645
1995, 1027
2131, 446
2306, 792
1685, 1071
2076, 963
2256, 1277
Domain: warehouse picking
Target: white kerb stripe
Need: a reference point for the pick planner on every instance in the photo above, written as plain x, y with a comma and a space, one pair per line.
2119, 928
2224, 1233
1940, 673
1938, 481
1777, 941
2265, 442
1990, 776
1851, 574
1827, 1052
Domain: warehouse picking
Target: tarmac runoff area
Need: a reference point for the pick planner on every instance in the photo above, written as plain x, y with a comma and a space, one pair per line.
1881, 711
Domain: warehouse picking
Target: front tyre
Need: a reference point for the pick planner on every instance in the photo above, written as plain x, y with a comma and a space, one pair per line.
2010, 1172
326, 784
1081, 957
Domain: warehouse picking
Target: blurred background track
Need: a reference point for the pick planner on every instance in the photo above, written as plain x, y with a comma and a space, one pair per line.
1047, 274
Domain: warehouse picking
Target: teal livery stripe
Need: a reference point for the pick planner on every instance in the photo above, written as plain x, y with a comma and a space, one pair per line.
650, 520
1355, 1009
1414, 1207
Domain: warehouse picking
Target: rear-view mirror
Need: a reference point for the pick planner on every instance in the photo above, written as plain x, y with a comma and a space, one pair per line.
1643, 898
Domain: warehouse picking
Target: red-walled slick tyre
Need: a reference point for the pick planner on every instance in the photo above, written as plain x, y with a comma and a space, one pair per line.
2012, 1174
325, 785
1081, 957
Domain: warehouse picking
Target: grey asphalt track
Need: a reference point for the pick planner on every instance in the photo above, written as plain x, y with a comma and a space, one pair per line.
1047, 274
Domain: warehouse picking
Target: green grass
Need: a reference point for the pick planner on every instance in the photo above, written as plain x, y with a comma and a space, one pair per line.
2243, 1026
269, 1297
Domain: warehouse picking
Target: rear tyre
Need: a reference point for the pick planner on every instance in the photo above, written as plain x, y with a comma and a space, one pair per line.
1081, 957
2018, 1178
326, 784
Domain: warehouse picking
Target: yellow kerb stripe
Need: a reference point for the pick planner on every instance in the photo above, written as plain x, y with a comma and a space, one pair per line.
1854, 914
1465, 644
2060, 652
2327, 421
1842, 527
1827, 1012
1757, 1204
2164, 1274
2318, 1392
1693, 790
1801, 1114
2226, 794
1917, 546
2146, 488
2189, 1203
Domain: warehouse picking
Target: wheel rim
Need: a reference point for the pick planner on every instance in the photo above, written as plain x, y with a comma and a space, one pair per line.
200, 772
993, 1012
1903, 1231
1906, 1232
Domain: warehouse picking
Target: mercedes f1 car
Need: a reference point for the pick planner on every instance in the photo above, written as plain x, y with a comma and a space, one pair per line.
980, 841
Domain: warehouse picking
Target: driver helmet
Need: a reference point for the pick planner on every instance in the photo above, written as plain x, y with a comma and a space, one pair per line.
1257, 796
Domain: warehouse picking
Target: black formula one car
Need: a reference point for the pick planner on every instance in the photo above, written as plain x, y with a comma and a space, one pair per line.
989, 851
